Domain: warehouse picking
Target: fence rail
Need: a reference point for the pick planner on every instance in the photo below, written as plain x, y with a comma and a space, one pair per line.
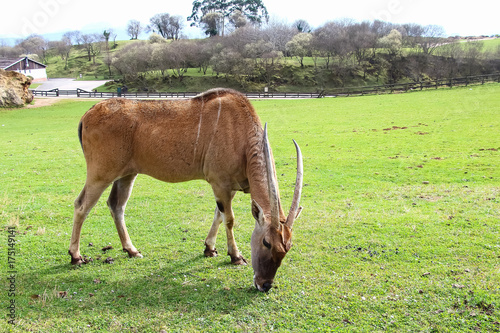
404, 87
336, 92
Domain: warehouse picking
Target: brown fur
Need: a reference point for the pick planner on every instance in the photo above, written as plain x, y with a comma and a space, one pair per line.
216, 136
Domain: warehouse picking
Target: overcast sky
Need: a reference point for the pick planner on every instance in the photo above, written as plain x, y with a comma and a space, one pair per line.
46, 17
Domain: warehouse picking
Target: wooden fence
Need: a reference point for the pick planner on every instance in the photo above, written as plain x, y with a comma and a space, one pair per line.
336, 92
411, 86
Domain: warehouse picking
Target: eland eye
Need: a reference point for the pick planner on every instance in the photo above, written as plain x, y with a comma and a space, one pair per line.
266, 244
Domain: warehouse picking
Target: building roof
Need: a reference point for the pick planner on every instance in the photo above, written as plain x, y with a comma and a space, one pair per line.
7, 62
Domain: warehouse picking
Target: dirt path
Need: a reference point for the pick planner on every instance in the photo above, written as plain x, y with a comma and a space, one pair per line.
39, 102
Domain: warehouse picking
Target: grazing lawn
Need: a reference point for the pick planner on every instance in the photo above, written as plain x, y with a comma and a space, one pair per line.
400, 229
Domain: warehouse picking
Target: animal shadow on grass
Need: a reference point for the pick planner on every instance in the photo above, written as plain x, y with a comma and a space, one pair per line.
177, 285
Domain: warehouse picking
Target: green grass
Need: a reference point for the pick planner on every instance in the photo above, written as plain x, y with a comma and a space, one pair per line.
399, 230
491, 44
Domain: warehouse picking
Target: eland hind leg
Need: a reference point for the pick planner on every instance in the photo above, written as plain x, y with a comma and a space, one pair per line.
84, 203
117, 201
224, 213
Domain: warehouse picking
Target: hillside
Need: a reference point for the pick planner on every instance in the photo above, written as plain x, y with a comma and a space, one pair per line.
315, 74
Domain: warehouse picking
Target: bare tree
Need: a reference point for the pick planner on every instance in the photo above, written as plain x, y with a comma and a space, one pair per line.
203, 51
278, 33
73, 36
92, 43
62, 48
9, 51
472, 56
160, 59
134, 62
86, 41
432, 37
333, 39
35, 44
240, 38
134, 29
452, 53
181, 57
97, 46
267, 60
363, 41
167, 26
253, 10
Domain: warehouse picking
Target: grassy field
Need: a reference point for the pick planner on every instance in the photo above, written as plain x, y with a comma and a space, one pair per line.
399, 230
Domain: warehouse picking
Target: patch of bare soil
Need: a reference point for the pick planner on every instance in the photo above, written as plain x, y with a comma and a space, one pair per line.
39, 102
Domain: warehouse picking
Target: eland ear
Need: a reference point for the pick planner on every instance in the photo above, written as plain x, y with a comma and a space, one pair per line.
257, 212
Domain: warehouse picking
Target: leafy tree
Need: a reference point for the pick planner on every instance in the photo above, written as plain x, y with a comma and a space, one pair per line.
300, 46
302, 26
253, 10
238, 20
392, 42
154, 38
213, 23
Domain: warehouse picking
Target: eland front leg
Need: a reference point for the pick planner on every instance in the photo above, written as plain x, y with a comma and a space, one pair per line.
223, 213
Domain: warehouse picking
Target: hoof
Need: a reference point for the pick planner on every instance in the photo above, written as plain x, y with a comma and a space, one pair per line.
239, 260
76, 261
211, 253
133, 254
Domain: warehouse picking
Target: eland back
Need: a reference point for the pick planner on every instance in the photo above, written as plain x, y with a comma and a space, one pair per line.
216, 136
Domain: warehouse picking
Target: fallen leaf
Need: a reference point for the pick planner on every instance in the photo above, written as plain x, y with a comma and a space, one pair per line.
35, 296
